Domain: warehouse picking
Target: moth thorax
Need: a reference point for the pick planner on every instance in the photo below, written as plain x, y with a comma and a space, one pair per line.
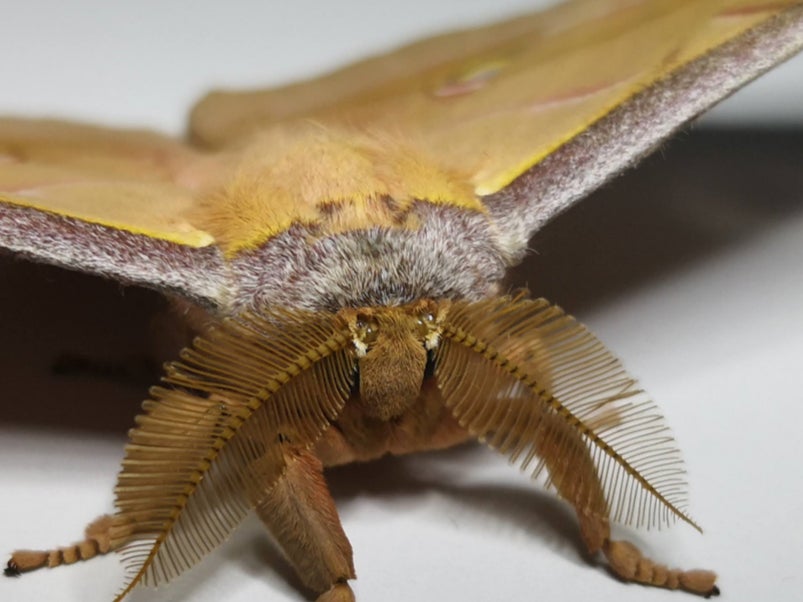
391, 345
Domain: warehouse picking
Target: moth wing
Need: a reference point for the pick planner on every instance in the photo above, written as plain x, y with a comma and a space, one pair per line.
107, 202
539, 110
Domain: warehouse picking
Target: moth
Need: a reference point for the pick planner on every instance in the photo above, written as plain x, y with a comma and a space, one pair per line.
338, 246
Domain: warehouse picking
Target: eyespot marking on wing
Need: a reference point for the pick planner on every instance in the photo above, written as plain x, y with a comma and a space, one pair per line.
471, 80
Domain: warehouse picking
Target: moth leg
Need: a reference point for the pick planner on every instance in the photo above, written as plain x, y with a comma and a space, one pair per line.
300, 513
628, 562
574, 475
97, 540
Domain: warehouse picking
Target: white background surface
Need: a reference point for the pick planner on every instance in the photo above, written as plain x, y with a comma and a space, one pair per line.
717, 340
144, 63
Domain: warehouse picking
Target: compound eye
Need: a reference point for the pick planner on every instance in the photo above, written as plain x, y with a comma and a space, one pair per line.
425, 323
367, 331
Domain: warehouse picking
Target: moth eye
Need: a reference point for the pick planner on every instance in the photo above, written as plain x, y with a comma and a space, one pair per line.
425, 323
367, 330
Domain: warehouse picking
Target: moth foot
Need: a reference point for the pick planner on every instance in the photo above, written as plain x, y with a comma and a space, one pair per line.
12, 570
714, 592
22, 561
627, 561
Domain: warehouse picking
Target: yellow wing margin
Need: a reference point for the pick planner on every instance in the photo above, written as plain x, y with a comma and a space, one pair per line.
493, 102
136, 181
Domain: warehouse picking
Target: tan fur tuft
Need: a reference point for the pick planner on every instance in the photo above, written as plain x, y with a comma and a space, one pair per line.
337, 178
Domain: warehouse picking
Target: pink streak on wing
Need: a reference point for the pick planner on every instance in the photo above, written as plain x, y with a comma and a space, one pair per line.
572, 96
752, 10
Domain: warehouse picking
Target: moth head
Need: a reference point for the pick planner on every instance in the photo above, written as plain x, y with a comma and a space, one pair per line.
379, 326
391, 345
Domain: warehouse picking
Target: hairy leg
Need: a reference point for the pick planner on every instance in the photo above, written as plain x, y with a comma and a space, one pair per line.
300, 513
97, 540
